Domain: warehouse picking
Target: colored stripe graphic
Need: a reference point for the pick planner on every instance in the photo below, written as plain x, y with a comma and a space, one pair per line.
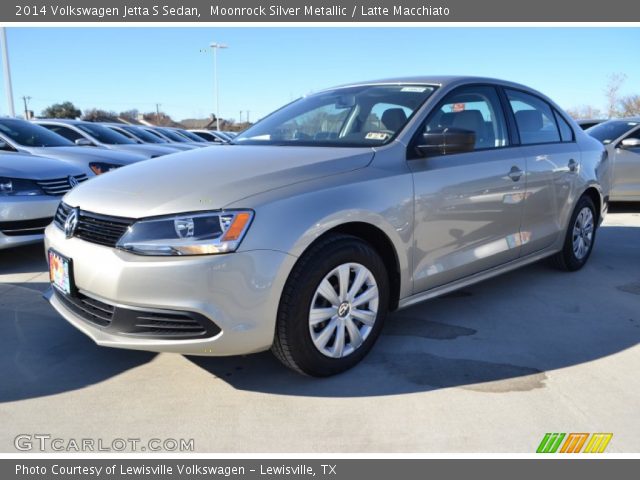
574, 443
598, 442
550, 443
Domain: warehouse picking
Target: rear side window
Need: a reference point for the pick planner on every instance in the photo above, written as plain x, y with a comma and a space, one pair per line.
534, 118
566, 133
66, 132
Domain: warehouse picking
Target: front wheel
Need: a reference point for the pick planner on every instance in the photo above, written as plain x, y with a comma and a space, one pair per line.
580, 237
332, 308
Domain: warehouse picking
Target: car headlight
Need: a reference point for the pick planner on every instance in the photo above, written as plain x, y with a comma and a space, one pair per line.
200, 233
19, 187
102, 167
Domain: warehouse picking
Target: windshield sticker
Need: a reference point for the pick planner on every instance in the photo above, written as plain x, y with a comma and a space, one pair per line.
414, 89
377, 136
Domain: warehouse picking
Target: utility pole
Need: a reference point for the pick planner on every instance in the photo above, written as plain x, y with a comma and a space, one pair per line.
248, 121
25, 99
215, 46
7, 71
158, 113
240, 121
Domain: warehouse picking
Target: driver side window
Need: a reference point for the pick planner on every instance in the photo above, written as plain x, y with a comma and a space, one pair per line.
476, 109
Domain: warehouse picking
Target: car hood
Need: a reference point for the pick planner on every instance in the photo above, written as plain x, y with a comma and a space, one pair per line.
86, 154
19, 165
210, 178
147, 151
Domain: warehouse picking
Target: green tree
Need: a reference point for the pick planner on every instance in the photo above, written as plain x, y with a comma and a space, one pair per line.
61, 110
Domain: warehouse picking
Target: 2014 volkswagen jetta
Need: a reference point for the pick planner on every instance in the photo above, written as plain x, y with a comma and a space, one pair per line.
312, 224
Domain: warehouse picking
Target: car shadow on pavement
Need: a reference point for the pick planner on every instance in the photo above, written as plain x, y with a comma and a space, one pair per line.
29, 259
624, 207
501, 335
41, 354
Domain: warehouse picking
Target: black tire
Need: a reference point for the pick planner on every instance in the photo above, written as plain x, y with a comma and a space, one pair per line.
293, 344
566, 258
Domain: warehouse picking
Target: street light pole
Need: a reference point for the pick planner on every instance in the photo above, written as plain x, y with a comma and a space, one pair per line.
215, 46
7, 71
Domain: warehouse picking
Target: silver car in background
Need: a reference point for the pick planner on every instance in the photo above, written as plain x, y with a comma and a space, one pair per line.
90, 134
621, 138
30, 190
21, 136
315, 222
140, 135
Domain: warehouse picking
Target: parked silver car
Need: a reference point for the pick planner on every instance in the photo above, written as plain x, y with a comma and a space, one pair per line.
328, 213
90, 134
174, 137
212, 136
141, 135
30, 190
621, 138
21, 136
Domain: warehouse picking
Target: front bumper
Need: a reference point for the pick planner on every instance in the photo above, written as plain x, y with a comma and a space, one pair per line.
238, 292
23, 218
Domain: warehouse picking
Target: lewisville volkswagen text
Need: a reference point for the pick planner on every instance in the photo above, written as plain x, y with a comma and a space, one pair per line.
306, 229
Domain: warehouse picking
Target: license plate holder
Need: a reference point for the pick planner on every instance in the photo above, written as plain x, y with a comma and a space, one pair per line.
61, 273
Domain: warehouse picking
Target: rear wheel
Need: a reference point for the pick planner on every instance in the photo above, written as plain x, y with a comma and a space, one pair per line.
332, 308
580, 237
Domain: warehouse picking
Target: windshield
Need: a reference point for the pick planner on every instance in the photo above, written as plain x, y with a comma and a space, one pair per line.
361, 116
104, 135
607, 132
29, 135
192, 136
143, 135
172, 135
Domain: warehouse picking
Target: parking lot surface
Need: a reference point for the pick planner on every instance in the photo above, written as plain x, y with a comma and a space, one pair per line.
491, 368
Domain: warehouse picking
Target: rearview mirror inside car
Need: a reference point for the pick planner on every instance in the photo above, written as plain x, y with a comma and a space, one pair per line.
446, 142
630, 143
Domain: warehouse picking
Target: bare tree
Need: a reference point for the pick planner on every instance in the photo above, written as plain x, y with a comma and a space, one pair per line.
630, 106
129, 115
585, 111
611, 92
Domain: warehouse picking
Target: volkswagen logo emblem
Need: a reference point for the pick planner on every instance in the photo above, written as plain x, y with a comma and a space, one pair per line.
71, 223
73, 181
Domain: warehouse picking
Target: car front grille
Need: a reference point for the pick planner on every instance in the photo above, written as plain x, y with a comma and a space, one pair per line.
174, 325
60, 186
141, 323
90, 309
24, 227
93, 227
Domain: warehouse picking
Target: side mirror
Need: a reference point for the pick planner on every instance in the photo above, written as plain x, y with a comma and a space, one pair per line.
83, 142
446, 142
630, 143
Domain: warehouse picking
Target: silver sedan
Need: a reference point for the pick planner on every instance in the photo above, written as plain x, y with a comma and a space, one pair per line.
315, 222
30, 190
622, 140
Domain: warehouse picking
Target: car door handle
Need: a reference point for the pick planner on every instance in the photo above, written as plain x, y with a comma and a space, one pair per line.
515, 173
573, 165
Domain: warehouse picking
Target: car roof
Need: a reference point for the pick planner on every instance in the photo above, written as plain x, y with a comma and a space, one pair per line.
436, 80
60, 120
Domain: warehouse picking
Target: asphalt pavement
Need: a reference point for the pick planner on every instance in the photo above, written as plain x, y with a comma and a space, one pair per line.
490, 368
